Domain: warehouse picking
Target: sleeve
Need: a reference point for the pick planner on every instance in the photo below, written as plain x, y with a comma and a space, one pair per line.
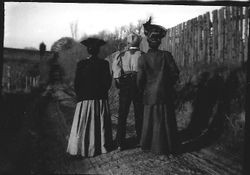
141, 75
77, 79
107, 76
173, 69
116, 68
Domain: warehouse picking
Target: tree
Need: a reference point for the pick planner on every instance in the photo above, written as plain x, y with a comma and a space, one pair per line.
62, 44
74, 29
116, 40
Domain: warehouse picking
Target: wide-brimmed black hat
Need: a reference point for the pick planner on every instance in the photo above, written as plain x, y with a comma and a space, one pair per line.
153, 31
93, 42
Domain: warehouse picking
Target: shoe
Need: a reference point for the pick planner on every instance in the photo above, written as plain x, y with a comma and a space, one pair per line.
119, 148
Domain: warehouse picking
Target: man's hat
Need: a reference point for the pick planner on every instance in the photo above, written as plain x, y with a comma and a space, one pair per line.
93, 42
153, 31
133, 39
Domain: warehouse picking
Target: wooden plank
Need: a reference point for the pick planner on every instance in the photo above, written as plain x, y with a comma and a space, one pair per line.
246, 35
206, 37
176, 42
231, 33
208, 33
227, 34
188, 41
184, 45
200, 28
191, 57
221, 35
173, 42
237, 39
195, 40
215, 34
234, 34
240, 30
167, 40
179, 43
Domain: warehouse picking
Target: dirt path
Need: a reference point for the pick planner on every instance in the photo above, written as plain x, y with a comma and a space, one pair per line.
45, 151
211, 160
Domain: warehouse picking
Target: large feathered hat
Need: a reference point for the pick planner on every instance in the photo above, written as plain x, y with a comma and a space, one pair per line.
93, 42
152, 31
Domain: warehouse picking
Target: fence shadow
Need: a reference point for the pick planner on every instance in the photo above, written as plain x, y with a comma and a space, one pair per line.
212, 98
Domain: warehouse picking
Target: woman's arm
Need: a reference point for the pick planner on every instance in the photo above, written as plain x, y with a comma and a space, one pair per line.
107, 78
77, 79
141, 75
173, 69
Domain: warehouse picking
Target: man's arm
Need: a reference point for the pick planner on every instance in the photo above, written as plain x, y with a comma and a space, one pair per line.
116, 69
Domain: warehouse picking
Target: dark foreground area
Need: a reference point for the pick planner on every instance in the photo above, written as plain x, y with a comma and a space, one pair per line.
36, 143
35, 128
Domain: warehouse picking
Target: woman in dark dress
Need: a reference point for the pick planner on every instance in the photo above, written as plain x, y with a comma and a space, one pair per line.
156, 77
91, 132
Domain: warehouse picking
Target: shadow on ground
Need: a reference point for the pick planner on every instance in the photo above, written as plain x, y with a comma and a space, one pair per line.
212, 95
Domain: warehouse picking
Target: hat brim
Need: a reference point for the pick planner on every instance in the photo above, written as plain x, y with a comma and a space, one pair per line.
93, 42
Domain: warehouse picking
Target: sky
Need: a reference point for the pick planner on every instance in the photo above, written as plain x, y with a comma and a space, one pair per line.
27, 24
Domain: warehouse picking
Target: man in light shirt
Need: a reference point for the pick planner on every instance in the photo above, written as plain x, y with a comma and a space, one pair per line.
125, 68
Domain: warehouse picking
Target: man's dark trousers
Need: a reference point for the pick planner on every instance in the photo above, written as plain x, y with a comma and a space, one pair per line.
129, 93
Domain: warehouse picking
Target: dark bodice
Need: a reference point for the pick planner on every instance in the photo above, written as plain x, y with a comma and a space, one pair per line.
92, 80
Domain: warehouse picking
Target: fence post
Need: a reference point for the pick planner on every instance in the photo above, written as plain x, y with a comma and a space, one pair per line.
189, 36
192, 44
196, 46
215, 35
240, 32
247, 16
234, 34
205, 38
184, 45
221, 33
227, 33
200, 28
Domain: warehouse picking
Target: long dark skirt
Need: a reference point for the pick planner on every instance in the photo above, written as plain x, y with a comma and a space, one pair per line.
159, 132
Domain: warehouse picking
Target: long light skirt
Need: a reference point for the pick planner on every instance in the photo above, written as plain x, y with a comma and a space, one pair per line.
91, 132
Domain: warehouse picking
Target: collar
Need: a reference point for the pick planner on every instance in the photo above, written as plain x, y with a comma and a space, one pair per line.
131, 48
153, 50
92, 57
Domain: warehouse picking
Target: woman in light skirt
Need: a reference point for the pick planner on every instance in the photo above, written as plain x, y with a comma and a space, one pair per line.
91, 132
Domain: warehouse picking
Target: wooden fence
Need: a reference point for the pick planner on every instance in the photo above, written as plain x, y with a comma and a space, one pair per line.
219, 36
15, 80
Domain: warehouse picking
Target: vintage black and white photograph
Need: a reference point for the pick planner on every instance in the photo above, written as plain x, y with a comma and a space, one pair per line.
124, 88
